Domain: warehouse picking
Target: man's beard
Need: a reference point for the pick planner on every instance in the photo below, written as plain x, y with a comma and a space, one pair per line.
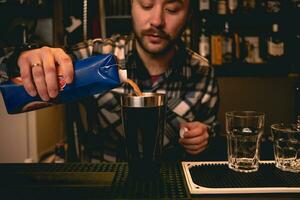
170, 43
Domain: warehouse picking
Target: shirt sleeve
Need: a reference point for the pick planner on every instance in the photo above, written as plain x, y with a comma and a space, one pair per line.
200, 102
9, 62
117, 44
3, 68
8, 65
210, 105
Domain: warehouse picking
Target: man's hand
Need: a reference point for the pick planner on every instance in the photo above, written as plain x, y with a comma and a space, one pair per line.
38, 70
195, 139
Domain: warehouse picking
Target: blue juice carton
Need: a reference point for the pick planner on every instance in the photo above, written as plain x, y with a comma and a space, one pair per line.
92, 75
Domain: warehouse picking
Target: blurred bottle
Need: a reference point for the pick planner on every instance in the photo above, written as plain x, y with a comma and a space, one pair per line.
298, 123
272, 6
295, 4
204, 6
187, 37
294, 36
252, 46
233, 6
275, 45
20, 34
297, 100
213, 6
237, 46
248, 6
59, 152
24, 33
293, 49
204, 39
222, 7
228, 49
216, 45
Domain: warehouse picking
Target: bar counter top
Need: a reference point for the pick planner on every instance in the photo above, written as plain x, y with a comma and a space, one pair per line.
104, 181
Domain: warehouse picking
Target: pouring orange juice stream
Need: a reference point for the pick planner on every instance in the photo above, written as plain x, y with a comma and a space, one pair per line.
136, 88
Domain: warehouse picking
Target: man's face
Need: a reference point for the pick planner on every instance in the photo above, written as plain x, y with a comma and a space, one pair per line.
158, 23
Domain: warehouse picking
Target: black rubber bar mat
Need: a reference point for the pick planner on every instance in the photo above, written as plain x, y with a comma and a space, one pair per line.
81, 181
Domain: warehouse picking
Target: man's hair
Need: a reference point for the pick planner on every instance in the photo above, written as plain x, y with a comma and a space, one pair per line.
193, 4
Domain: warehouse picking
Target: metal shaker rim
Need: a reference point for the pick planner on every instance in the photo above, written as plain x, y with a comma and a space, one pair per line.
148, 99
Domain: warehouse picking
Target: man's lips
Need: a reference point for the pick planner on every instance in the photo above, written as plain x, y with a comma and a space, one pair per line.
155, 38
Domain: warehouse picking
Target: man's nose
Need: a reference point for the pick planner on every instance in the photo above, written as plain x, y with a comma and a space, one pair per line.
157, 18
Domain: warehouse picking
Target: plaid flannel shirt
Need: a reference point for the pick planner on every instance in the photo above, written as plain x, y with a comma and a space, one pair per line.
189, 84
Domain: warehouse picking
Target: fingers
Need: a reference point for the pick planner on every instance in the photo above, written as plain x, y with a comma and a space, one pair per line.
194, 129
39, 79
50, 73
196, 146
25, 71
191, 125
196, 138
65, 62
196, 151
38, 70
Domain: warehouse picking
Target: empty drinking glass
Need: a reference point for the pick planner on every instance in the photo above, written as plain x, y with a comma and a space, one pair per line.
244, 131
286, 144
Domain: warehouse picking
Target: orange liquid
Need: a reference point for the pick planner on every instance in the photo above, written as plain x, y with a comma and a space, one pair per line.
135, 87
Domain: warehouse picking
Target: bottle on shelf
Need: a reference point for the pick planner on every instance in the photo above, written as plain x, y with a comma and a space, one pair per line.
296, 102
187, 37
59, 152
213, 6
294, 9
275, 45
216, 45
295, 4
248, 6
252, 46
297, 55
233, 6
237, 45
222, 7
298, 122
204, 6
293, 49
252, 50
204, 39
272, 6
228, 44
